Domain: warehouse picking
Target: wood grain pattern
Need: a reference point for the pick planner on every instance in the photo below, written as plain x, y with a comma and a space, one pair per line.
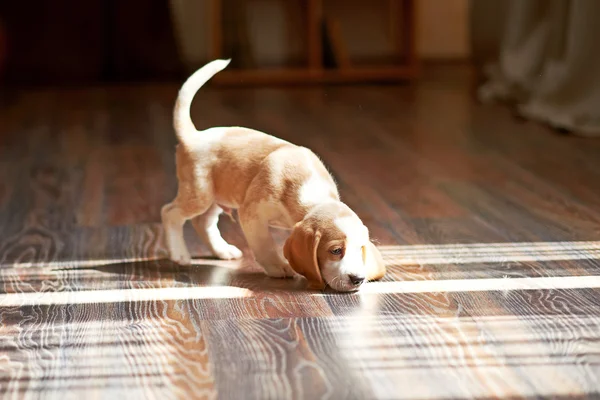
455, 194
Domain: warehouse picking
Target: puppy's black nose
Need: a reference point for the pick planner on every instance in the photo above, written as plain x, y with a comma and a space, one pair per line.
356, 280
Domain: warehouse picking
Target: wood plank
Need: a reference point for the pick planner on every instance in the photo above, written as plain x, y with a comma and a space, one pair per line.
274, 359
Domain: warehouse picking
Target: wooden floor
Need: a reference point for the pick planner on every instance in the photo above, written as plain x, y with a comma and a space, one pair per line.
89, 307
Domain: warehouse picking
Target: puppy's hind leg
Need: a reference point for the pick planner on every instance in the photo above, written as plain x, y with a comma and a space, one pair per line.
206, 225
173, 220
174, 215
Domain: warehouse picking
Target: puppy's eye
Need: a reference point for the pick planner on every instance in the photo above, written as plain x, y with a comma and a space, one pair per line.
336, 252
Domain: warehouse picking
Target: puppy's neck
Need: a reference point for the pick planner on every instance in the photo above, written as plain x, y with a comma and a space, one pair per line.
326, 208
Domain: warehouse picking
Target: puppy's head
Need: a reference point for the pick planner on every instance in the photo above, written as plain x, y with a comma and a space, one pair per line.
330, 246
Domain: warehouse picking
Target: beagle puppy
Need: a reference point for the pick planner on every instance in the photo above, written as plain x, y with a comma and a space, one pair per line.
272, 183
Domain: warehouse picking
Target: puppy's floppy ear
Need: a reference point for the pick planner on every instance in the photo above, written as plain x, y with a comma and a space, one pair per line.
300, 250
373, 261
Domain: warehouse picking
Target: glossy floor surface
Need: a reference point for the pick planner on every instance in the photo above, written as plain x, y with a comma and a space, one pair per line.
490, 228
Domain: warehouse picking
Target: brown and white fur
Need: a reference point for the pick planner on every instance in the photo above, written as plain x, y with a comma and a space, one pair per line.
272, 183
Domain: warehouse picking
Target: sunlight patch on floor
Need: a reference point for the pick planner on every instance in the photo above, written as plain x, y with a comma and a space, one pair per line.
483, 285
100, 262
490, 252
393, 255
122, 295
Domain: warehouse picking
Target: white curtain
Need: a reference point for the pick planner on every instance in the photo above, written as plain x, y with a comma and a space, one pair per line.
545, 58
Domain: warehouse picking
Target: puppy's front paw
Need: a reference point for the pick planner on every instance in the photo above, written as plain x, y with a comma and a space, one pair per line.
227, 252
181, 258
279, 271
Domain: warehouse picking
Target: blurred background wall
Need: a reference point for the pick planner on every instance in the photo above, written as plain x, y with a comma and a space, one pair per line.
442, 27
75, 42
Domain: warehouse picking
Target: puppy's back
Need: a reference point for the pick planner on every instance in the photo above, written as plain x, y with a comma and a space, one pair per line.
231, 157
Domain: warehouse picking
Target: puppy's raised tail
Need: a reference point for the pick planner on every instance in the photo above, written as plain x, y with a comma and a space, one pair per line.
182, 120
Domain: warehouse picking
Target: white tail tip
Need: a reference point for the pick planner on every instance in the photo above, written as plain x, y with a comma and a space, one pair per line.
221, 64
